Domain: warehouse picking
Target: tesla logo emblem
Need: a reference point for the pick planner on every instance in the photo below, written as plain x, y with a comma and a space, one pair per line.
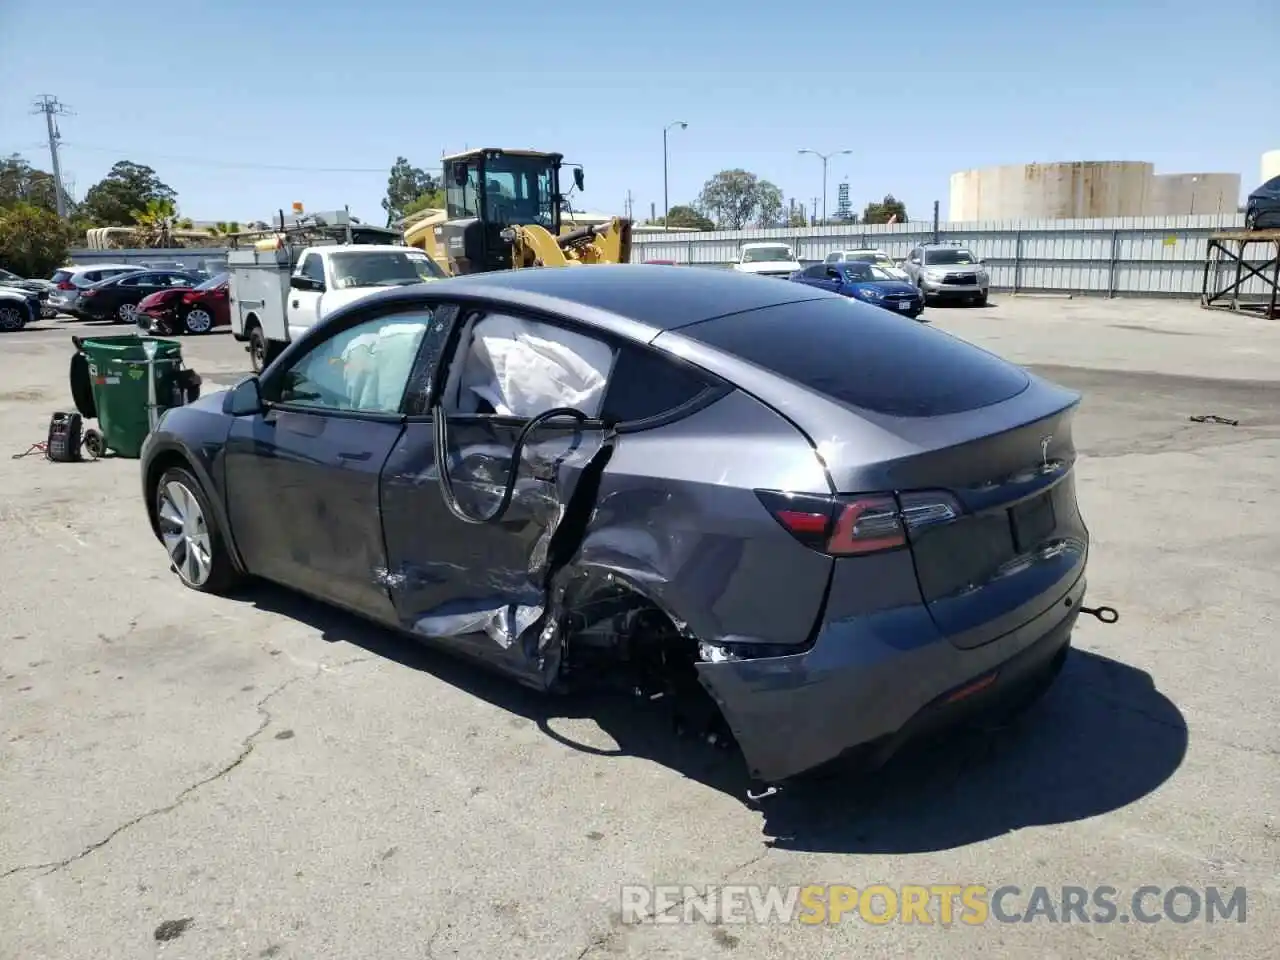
1044, 449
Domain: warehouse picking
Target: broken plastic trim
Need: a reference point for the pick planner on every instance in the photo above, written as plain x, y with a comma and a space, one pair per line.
440, 431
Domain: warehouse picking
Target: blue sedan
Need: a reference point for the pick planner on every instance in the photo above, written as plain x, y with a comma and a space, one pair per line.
865, 282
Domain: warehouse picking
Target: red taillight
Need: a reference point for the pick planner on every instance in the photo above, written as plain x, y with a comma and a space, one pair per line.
845, 526
88, 293
66, 285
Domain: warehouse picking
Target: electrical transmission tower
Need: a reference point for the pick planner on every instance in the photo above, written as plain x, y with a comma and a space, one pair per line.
51, 107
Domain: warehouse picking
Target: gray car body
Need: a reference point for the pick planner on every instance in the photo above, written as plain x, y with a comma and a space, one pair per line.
831, 654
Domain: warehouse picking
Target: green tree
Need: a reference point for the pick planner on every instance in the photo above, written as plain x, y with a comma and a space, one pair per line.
126, 189
687, 217
886, 209
33, 240
432, 199
22, 183
769, 200
156, 222
405, 186
734, 198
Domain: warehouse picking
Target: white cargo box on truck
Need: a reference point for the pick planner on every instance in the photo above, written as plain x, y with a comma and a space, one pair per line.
259, 291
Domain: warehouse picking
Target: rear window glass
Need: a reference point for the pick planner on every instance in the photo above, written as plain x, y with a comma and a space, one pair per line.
60, 276
865, 357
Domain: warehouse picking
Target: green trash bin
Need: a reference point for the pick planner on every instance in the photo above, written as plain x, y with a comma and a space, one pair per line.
131, 380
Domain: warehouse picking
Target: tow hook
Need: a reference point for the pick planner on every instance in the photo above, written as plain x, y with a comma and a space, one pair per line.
1105, 614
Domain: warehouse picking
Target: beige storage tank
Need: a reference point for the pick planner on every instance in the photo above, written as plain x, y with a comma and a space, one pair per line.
1057, 191
1270, 166
1187, 194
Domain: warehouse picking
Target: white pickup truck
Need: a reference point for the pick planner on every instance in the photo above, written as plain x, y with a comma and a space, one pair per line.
279, 290
768, 258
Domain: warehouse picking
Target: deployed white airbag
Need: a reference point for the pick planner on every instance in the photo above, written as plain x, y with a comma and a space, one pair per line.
376, 366
524, 368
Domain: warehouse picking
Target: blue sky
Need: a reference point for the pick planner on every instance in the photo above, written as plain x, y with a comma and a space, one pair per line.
215, 94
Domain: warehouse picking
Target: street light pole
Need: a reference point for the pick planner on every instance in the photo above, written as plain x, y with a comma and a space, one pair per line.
666, 201
825, 157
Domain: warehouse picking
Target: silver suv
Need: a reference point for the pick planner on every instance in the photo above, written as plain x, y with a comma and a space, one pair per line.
69, 281
946, 272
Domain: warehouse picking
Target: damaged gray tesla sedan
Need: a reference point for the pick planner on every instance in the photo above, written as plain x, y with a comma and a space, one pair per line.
843, 527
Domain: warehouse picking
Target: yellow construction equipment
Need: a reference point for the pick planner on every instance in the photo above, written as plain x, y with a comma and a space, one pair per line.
504, 210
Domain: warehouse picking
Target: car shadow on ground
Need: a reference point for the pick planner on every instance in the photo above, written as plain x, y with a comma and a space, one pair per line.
1100, 739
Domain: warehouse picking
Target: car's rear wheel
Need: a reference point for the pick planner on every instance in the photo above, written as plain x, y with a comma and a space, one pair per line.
1251, 219
197, 551
127, 313
198, 320
257, 349
12, 318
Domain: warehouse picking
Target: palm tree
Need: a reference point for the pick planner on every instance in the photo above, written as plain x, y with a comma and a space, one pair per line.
155, 223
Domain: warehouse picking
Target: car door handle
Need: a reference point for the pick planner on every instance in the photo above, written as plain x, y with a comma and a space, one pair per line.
295, 303
355, 456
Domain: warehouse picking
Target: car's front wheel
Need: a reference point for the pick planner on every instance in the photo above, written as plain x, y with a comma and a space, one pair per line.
1251, 219
197, 551
198, 320
12, 318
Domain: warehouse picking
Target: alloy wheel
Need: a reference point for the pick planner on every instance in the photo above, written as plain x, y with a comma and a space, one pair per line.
11, 318
128, 312
199, 321
185, 533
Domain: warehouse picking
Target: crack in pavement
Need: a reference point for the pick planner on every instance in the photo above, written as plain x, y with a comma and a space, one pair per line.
246, 748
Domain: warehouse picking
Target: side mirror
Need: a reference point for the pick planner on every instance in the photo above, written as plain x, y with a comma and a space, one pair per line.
297, 282
459, 174
578, 178
244, 399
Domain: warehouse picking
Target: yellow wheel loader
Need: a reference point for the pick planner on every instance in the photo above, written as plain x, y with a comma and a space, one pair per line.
505, 211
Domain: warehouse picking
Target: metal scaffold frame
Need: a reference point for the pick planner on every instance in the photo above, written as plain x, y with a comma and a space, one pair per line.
1221, 255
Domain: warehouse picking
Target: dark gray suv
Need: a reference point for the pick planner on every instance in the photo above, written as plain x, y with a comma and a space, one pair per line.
830, 528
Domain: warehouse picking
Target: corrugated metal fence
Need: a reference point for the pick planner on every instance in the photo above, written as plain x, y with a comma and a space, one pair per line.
1126, 256
1129, 256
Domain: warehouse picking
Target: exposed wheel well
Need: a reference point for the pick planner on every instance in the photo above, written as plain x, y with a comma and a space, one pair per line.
616, 636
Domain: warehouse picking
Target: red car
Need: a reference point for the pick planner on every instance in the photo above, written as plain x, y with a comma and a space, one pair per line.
192, 310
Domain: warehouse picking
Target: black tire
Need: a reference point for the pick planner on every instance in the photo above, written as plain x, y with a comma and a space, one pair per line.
981, 301
1251, 219
222, 575
258, 350
12, 317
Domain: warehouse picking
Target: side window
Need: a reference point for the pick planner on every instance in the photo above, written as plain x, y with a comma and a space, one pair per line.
313, 268
645, 384
511, 366
93, 276
363, 369
132, 281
